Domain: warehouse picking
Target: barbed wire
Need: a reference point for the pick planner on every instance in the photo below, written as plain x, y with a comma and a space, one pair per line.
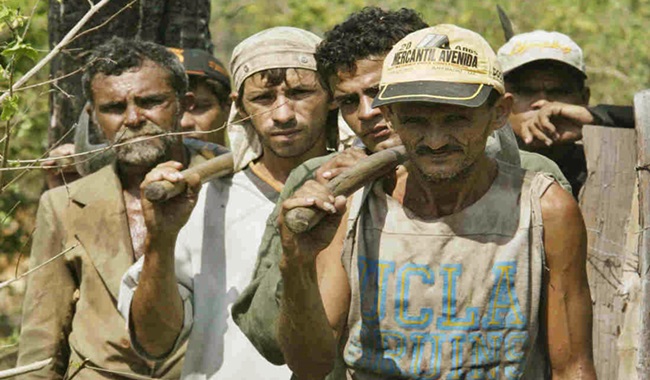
29, 168
34, 162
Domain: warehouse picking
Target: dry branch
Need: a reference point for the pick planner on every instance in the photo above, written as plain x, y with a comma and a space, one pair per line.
9, 282
68, 37
105, 22
24, 369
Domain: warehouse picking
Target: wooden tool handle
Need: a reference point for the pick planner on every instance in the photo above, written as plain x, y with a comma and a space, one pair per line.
303, 219
213, 168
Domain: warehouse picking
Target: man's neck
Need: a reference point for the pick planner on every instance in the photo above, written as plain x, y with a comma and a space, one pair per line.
428, 199
131, 177
278, 168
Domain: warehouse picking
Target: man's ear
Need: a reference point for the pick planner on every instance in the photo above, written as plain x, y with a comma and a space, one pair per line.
188, 101
502, 108
240, 110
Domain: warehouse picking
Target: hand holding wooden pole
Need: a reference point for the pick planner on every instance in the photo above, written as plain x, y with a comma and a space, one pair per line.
303, 219
219, 166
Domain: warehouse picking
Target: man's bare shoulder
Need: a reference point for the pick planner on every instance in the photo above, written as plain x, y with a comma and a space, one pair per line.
564, 227
558, 205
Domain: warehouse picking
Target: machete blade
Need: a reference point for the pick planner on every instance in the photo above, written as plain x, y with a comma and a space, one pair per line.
508, 31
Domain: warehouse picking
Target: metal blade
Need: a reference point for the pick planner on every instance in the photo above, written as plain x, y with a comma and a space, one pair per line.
91, 163
508, 31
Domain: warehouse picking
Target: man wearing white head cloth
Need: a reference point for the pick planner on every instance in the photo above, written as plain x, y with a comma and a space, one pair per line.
282, 116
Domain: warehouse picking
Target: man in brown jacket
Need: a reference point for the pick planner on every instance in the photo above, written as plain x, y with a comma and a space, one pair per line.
137, 90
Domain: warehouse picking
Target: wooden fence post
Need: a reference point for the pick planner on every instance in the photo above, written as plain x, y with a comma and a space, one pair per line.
642, 116
606, 200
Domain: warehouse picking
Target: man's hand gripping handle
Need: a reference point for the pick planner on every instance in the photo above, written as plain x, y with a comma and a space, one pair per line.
368, 169
219, 166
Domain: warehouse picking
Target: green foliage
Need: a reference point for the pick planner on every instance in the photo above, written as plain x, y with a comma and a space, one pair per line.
611, 32
11, 339
17, 50
10, 17
27, 113
9, 108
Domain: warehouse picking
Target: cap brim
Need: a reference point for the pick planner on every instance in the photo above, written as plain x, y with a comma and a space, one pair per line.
462, 94
520, 64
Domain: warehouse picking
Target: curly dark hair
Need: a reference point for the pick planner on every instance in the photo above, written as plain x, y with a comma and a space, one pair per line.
118, 55
371, 31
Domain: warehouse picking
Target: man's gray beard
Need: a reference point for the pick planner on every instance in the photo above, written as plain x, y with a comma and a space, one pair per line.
144, 153
147, 153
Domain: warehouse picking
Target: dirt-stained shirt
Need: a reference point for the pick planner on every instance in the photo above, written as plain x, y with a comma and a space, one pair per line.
456, 297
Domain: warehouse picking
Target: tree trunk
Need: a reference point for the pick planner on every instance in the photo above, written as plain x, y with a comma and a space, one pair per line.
174, 23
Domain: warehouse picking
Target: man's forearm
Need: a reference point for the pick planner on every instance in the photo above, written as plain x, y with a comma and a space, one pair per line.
306, 338
157, 308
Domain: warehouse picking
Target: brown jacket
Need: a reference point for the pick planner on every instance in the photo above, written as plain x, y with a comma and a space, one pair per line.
69, 311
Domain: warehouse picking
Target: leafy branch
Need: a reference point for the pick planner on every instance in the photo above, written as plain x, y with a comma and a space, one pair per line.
17, 49
64, 41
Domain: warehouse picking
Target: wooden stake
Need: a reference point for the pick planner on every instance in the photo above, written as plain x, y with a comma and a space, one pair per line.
642, 119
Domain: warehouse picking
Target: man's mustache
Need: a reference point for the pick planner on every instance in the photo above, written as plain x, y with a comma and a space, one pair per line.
149, 129
293, 123
449, 148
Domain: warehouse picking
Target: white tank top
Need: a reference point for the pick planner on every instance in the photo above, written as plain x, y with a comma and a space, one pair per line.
458, 297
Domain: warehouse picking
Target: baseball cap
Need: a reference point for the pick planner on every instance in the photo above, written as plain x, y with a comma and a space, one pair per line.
201, 63
540, 45
274, 48
441, 64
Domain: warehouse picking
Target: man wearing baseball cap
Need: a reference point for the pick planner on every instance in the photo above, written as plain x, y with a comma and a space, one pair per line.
456, 266
281, 116
545, 72
210, 84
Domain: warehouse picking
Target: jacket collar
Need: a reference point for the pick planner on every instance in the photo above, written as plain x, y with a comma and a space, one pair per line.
102, 226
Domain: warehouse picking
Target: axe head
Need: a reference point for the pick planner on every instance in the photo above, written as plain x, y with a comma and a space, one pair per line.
506, 24
91, 162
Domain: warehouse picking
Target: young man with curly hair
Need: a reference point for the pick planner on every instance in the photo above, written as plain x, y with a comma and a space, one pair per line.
350, 58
